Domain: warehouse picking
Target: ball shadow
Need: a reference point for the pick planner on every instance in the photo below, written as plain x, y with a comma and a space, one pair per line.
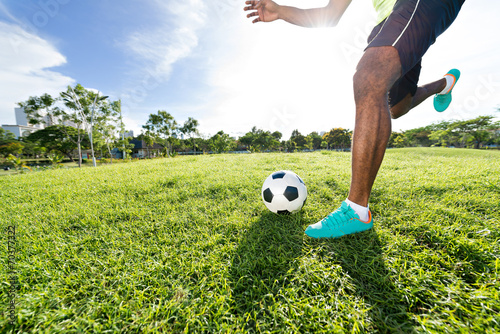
261, 262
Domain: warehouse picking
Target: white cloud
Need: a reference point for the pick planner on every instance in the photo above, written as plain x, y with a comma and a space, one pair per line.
162, 49
158, 50
25, 63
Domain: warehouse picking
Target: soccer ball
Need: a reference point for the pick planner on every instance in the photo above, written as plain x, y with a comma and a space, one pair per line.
284, 192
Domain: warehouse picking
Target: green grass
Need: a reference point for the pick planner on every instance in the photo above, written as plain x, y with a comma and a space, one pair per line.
186, 245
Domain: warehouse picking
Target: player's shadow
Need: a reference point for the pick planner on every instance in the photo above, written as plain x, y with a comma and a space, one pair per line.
361, 256
261, 262
271, 250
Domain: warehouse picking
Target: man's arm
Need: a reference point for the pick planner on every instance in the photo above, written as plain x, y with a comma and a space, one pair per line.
268, 10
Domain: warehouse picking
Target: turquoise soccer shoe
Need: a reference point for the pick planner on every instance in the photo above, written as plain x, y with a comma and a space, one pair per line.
442, 101
341, 222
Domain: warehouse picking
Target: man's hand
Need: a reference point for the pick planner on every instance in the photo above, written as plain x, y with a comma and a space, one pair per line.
266, 10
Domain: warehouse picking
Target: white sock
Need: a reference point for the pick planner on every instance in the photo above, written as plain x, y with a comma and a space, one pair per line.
360, 210
450, 81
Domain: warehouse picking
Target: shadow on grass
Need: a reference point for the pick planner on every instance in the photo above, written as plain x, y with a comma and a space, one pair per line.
270, 252
260, 265
361, 256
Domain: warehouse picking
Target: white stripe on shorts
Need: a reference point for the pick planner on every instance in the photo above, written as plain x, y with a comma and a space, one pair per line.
411, 18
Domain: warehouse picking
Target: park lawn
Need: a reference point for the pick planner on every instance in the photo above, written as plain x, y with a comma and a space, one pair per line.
66, 164
186, 245
41, 167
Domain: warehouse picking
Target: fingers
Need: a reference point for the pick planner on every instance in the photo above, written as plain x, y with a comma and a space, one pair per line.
253, 14
253, 5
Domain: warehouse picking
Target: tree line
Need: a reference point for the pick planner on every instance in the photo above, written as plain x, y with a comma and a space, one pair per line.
82, 119
473, 133
162, 128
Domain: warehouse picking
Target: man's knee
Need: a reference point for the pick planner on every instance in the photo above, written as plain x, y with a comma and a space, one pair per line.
368, 84
377, 71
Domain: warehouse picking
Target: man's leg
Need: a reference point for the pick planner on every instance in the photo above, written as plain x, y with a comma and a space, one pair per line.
422, 93
377, 71
395, 47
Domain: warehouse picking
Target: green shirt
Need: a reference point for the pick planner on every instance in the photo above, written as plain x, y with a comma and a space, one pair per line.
383, 8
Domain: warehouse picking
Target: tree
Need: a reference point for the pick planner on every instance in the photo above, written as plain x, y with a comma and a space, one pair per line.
315, 139
189, 129
338, 138
420, 136
58, 138
85, 105
221, 142
42, 110
494, 130
202, 144
277, 135
6, 137
297, 140
258, 140
474, 130
149, 140
397, 139
11, 148
125, 146
160, 127
248, 140
442, 137
123, 143
107, 117
9, 144
32, 149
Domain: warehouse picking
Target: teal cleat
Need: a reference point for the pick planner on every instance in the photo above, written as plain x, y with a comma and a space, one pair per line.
442, 101
341, 222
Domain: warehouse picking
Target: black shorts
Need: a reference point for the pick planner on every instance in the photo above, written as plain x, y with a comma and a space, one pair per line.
412, 28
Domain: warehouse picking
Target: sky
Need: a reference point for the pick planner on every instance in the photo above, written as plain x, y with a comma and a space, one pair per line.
206, 60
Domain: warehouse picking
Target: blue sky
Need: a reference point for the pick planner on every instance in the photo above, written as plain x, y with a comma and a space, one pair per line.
205, 60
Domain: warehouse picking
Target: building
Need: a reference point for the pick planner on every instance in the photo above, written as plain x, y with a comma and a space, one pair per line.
22, 128
141, 150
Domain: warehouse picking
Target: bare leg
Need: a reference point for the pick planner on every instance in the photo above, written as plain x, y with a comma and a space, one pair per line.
377, 71
422, 93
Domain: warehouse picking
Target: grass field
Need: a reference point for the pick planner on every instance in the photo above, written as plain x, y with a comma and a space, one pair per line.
185, 245
66, 164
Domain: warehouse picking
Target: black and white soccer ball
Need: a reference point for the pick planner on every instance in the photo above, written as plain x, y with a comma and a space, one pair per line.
284, 192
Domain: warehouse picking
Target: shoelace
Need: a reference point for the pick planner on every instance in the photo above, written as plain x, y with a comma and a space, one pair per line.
335, 219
